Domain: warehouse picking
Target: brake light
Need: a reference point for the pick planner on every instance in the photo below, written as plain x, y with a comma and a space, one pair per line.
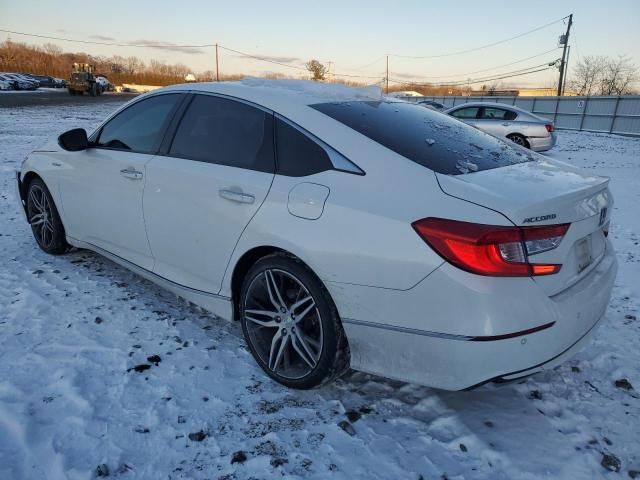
549, 127
489, 249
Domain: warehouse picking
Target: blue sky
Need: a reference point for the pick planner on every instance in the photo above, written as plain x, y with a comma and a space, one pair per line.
354, 35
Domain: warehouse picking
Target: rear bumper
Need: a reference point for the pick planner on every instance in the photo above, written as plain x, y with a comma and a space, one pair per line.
541, 144
427, 335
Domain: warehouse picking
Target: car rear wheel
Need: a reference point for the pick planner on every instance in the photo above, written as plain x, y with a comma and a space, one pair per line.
43, 217
519, 140
291, 324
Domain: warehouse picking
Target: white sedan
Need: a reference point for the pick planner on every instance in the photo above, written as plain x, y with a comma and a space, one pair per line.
340, 228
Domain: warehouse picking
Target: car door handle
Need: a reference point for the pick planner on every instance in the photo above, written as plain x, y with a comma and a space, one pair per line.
506, 124
238, 197
132, 174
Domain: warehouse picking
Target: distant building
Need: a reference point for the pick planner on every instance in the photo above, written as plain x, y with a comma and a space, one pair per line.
543, 92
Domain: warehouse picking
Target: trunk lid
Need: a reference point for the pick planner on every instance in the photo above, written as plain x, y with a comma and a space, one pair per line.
546, 192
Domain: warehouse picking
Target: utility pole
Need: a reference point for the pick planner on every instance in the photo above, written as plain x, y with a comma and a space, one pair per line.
566, 69
387, 77
217, 67
564, 39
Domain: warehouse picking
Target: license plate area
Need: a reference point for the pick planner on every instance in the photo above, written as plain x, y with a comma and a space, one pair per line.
583, 253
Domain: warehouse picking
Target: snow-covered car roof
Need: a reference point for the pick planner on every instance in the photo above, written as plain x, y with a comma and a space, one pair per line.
288, 97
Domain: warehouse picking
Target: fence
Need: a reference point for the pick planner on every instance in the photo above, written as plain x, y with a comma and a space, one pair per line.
620, 115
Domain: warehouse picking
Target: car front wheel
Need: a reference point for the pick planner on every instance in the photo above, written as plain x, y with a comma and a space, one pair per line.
43, 217
291, 324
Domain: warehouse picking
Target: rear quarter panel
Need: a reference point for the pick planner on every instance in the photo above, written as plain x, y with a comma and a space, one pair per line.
364, 235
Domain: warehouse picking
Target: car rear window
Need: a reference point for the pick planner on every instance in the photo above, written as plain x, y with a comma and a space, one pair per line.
429, 138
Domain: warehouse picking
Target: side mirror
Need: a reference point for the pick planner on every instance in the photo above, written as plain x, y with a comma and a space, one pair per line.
74, 140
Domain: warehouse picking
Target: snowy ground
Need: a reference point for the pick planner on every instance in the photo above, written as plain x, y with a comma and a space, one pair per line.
71, 327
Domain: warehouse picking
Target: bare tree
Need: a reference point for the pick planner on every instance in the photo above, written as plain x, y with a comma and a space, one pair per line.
317, 70
618, 76
587, 74
599, 75
133, 65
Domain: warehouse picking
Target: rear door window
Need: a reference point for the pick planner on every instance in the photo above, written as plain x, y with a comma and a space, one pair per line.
225, 132
438, 142
490, 113
139, 128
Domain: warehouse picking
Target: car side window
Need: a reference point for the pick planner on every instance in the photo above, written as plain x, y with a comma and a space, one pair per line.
139, 127
490, 113
298, 154
225, 132
469, 112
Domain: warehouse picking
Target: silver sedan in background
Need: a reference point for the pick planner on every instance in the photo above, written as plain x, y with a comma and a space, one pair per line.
501, 120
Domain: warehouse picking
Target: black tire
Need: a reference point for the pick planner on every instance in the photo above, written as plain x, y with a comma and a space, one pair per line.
331, 357
519, 140
47, 229
93, 90
72, 92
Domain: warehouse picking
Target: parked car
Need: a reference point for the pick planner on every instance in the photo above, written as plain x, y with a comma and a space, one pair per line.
320, 218
5, 84
521, 127
45, 81
103, 83
60, 83
21, 82
11, 81
432, 104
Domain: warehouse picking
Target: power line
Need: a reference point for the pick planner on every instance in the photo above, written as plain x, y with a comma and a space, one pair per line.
362, 67
256, 57
173, 45
496, 67
475, 49
458, 84
113, 44
297, 67
515, 73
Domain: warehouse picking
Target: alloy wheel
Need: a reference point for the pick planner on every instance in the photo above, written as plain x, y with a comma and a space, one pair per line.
283, 324
518, 140
40, 216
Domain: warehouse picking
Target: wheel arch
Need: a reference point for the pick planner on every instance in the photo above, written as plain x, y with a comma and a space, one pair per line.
519, 134
25, 181
246, 261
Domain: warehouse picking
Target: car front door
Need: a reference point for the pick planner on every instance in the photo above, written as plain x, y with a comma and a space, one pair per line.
205, 187
101, 187
468, 115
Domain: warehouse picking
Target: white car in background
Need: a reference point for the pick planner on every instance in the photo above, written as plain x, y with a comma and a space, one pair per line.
5, 85
340, 228
103, 82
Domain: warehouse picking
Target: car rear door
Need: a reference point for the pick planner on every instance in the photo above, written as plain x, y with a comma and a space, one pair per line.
202, 191
496, 121
101, 187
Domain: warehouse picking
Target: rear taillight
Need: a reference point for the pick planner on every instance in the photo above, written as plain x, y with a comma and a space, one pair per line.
489, 249
549, 127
